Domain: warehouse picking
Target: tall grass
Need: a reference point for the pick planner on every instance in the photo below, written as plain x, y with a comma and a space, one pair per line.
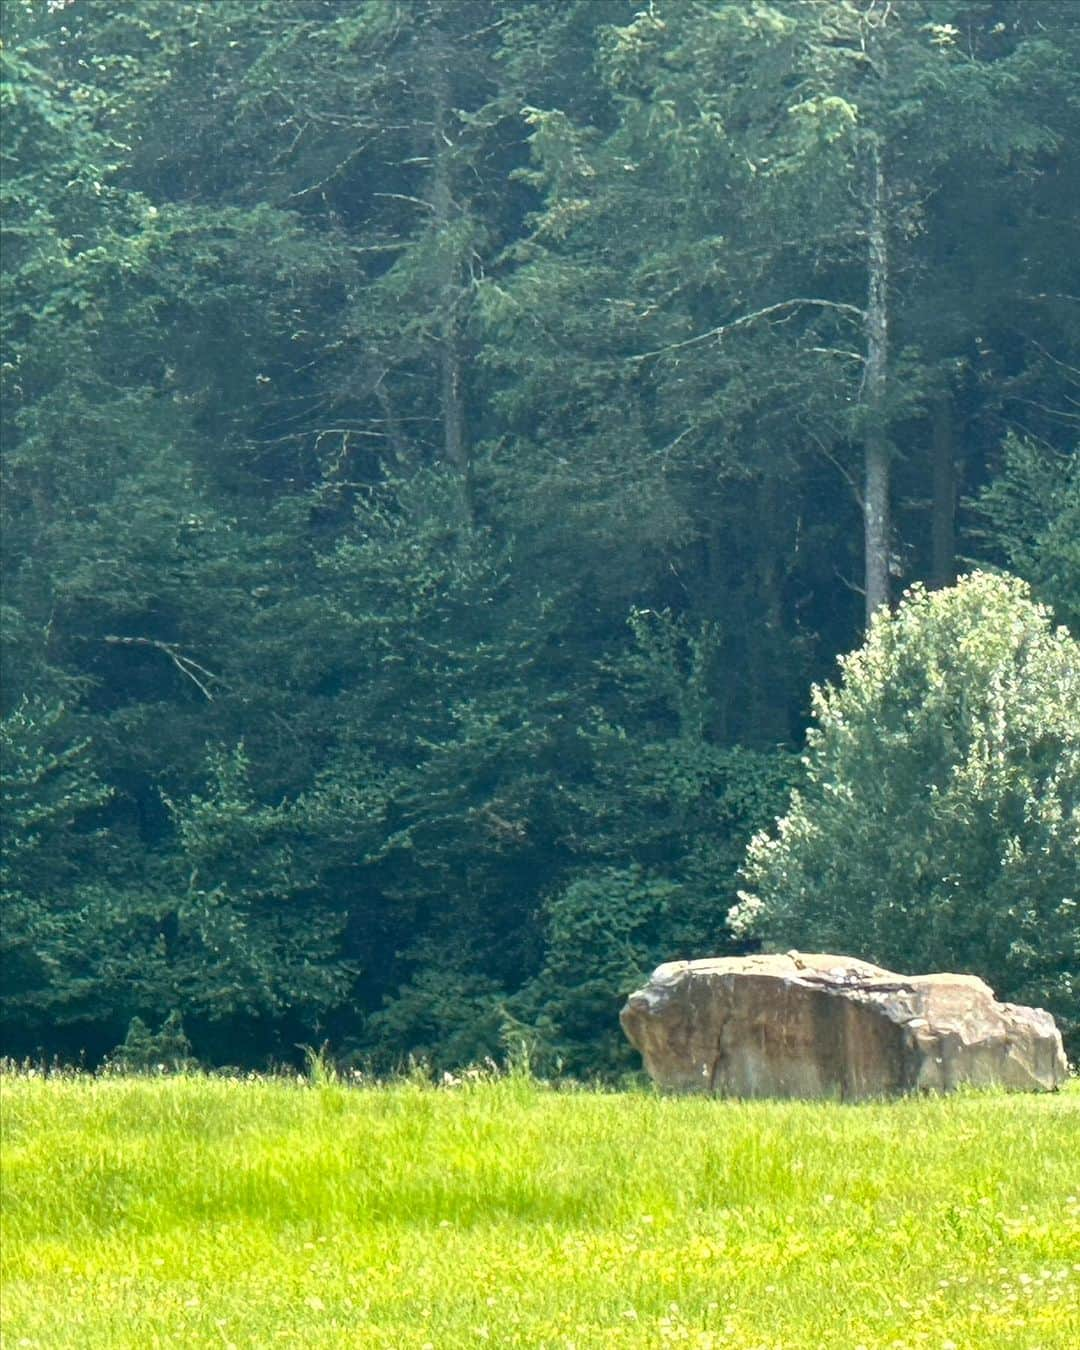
207, 1212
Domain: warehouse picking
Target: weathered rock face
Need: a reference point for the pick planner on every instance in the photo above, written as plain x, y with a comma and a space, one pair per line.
805, 1025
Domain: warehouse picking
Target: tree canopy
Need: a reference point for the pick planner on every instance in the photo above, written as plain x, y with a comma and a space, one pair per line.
938, 824
443, 443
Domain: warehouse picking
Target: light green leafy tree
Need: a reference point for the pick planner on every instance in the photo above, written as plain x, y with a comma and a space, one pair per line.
939, 825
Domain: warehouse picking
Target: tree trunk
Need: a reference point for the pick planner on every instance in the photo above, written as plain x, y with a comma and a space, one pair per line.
876, 528
943, 505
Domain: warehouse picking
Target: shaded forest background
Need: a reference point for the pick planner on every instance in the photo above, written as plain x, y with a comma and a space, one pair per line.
443, 443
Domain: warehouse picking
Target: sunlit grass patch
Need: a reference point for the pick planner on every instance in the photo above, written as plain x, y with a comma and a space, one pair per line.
209, 1212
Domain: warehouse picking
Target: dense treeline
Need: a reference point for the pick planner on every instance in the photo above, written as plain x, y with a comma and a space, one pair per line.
444, 440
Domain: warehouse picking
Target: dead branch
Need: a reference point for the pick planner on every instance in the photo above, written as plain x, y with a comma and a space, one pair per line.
185, 664
745, 319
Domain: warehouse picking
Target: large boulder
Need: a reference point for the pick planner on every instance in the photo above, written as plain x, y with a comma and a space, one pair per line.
809, 1025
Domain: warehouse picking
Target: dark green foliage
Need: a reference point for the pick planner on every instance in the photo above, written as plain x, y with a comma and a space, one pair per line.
604, 933
1032, 517
79, 942
657, 825
365, 365
448, 1014
167, 1050
251, 937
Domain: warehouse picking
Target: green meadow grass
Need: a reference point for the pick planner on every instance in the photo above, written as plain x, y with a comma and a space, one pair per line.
196, 1211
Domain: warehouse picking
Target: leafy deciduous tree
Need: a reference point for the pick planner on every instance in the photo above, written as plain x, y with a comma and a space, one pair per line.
939, 824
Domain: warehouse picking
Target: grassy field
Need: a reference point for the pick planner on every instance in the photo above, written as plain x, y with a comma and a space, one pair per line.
197, 1212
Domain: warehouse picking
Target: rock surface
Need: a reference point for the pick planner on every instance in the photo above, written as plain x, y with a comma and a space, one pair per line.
811, 1025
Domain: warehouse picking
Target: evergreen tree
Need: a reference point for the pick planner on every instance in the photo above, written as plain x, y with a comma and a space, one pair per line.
80, 945
1031, 516
655, 825
753, 225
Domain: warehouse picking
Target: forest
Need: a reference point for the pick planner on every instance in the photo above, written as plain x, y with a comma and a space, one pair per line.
447, 446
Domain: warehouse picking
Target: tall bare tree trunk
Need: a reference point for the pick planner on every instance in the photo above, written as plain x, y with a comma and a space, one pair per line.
943, 502
876, 525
